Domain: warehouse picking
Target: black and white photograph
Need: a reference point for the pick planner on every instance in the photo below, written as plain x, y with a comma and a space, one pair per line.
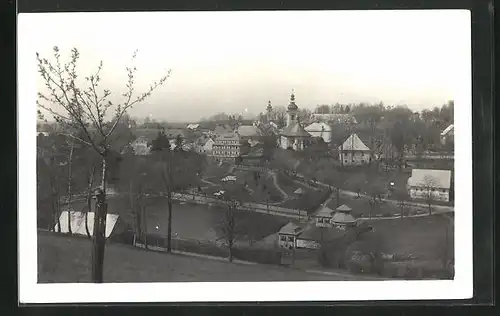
245, 156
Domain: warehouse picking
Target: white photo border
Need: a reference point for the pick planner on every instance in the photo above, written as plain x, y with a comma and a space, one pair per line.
31, 292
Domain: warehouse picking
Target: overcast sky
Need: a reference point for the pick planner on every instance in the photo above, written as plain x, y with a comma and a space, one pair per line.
232, 61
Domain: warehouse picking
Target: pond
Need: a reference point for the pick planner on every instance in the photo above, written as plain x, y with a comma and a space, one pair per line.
195, 221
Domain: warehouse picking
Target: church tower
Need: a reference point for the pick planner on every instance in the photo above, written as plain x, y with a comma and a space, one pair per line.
292, 111
269, 111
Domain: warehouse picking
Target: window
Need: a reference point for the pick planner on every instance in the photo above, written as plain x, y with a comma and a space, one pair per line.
282, 238
290, 238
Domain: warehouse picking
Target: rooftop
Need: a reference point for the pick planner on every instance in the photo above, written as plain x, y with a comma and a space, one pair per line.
318, 127
447, 130
295, 130
352, 143
249, 131
290, 228
325, 212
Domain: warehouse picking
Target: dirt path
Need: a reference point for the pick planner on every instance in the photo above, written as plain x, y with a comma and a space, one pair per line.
440, 208
275, 182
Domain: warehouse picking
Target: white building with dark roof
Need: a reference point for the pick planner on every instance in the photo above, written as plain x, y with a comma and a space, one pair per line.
287, 235
354, 152
430, 184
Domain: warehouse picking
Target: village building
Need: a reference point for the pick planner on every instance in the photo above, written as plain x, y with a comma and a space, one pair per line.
354, 152
342, 218
324, 216
249, 132
293, 136
228, 147
334, 118
312, 237
288, 235
141, 146
430, 184
320, 129
204, 145
447, 135
193, 127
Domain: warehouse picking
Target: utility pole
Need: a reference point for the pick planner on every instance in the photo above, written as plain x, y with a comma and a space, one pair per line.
99, 238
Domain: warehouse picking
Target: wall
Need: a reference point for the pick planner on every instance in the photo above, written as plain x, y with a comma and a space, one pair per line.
309, 244
438, 195
290, 241
354, 158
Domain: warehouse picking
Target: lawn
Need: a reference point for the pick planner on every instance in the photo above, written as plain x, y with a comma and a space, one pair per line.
64, 259
288, 185
423, 237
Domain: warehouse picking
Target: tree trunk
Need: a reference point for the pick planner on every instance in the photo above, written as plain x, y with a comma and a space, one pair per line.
70, 180
89, 201
99, 237
169, 230
230, 246
143, 224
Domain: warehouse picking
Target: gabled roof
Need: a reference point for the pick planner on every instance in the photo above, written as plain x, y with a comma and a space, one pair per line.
354, 143
318, 127
325, 212
447, 130
439, 179
290, 228
343, 218
249, 131
193, 126
295, 130
227, 136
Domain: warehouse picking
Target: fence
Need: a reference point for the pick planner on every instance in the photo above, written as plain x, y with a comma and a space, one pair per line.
247, 206
158, 242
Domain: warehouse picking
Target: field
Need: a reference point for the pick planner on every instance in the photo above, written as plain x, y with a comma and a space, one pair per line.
64, 259
423, 237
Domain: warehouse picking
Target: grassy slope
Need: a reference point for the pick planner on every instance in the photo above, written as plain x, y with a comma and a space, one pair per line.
423, 237
67, 259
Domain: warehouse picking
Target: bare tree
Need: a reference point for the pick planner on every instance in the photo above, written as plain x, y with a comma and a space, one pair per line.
402, 200
83, 116
429, 185
228, 227
88, 199
70, 181
178, 170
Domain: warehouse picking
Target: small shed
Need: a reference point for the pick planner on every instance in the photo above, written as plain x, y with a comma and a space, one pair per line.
299, 191
288, 234
324, 216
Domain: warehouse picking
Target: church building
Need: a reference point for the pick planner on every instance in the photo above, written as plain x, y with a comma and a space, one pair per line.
294, 136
